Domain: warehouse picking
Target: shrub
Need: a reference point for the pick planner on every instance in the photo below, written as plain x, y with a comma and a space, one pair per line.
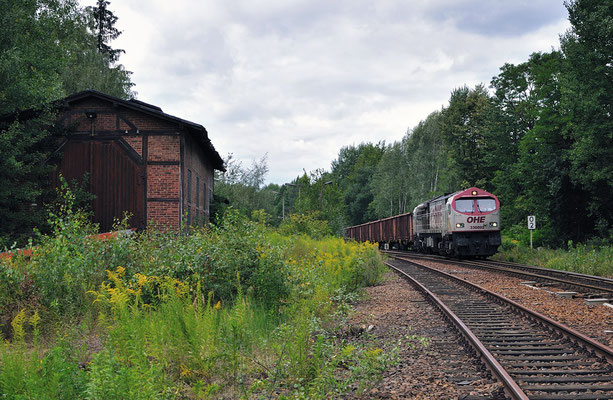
305, 224
56, 375
236, 310
581, 258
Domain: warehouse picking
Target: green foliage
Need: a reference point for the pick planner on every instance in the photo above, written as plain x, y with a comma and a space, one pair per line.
242, 188
582, 258
587, 98
354, 170
391, 184
46, 53
426, 159
229, 311
464, 123
112, 376
102, 24
24, 148
61, 270
26, 375
305, 224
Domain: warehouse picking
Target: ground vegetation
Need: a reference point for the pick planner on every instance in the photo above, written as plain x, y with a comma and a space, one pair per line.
236, 310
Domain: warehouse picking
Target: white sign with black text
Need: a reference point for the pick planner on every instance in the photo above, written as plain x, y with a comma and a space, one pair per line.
531, 222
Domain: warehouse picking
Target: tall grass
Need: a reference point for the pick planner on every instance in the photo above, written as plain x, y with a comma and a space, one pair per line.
234, 311
582, 258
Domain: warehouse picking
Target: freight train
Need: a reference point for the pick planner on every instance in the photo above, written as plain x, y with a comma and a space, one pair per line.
460, 224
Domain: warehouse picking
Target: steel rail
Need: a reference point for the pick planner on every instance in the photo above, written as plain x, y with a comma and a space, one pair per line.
535, 268
514, 271
563, 281
510, 387
577, 337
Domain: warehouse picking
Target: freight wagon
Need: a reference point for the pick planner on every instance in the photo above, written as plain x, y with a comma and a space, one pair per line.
464, 223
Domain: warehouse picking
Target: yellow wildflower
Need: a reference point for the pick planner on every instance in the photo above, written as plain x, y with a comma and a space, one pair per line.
142, 279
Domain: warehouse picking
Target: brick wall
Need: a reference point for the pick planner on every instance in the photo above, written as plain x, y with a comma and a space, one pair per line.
163, 215
163, 181
162, 139
164, 148
144, 122
201, 175
136, 142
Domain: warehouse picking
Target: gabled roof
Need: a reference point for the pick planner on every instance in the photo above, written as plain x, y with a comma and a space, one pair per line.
197, 130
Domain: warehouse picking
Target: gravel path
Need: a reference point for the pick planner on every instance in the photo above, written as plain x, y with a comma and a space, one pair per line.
592, 320
439, 369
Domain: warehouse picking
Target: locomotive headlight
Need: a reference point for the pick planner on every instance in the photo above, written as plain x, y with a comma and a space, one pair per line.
459, 225
493, 223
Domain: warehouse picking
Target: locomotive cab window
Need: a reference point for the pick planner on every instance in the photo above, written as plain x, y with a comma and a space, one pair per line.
465, 205
485, 205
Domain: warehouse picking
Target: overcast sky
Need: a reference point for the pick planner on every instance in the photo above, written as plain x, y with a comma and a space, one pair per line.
299, 79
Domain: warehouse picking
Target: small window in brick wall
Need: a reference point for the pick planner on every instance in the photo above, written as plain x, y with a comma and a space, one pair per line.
204, 196
197, 193
189, 186
189, 197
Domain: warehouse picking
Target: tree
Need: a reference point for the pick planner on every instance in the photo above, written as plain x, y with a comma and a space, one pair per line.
587, 95
317, 195
46, 53
354, 170
241, 186
102, 23
391, 183
464, 127
427, 156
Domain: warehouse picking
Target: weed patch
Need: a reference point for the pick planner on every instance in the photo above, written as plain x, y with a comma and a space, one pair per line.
237, 311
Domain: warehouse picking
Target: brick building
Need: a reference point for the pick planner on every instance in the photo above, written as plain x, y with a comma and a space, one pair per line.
155, 166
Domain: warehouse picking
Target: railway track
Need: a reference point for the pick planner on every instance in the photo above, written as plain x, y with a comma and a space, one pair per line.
531, 355
588, 285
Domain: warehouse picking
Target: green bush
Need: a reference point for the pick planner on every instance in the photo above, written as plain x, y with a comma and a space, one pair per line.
305, 224
226, 311
23, 375
112, 376
544, 236
581, 258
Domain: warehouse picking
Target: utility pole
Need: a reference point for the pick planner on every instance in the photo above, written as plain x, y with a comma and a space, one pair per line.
321, 191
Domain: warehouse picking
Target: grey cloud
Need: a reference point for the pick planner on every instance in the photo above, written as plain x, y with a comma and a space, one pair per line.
497, 17
300, 78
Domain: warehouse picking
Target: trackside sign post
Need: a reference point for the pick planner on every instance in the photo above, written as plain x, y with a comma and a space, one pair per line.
531, 226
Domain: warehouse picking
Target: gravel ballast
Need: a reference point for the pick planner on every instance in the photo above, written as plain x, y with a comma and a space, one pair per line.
595, 321
433, 363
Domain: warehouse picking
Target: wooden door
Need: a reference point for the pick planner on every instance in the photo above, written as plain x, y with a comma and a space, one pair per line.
116, 178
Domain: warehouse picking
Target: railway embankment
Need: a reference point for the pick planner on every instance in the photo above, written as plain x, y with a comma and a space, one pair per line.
432, 362
533, 356
595, 320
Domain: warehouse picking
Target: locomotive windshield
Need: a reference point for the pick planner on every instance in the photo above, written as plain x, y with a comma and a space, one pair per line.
465, 205
484, 205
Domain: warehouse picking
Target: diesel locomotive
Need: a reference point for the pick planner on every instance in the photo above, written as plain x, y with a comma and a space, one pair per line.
461, 224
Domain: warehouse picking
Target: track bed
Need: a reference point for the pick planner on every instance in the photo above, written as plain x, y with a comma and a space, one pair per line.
543, 363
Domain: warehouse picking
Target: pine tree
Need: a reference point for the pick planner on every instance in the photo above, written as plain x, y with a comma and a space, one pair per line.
103, 26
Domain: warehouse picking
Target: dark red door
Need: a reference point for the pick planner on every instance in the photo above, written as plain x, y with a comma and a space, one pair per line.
116, 179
